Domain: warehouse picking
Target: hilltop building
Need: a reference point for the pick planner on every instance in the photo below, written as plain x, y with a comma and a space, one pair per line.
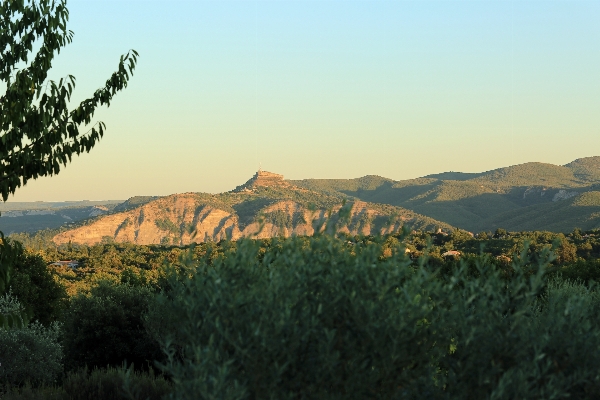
69, 263
264, 179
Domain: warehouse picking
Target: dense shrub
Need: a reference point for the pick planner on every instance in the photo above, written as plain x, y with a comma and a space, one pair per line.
581, 270
520, 339
323, 320
115, 383
99, 384
31, 354
319, 318
105, 327
28, 392
10, 305
35, 287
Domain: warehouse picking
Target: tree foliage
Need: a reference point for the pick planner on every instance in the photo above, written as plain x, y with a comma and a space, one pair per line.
321, 318
31, 354
105, 327
38, 131
34, 284
9, 254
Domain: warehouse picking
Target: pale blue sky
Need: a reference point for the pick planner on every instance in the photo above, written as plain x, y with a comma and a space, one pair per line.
328, 89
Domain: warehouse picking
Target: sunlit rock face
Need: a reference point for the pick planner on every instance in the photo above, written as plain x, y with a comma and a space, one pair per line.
262, 179
265, 206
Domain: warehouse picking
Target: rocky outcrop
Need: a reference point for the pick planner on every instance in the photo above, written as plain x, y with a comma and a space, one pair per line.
535, 191
564, 195
176, 219
181, 219
264, 179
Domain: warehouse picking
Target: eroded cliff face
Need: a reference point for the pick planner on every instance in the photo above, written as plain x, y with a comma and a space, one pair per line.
180, 219
160, 221
251, 210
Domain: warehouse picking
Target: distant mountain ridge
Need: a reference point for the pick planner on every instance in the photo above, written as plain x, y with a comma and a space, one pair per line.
265, 206
489, 200
530, 196
31, 217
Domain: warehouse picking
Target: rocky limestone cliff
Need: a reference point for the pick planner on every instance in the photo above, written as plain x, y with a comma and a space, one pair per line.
248, 211
264, 179
155, 222
180, 220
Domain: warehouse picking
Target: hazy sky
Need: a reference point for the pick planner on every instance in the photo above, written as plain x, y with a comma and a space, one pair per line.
327, 89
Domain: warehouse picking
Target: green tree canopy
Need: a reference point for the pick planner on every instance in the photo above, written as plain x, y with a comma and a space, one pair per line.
38, 131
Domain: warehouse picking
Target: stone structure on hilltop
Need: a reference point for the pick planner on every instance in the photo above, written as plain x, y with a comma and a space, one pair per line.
281, 211
262, 178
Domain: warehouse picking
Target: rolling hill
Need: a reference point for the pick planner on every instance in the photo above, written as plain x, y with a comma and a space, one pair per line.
530, 196
34, 216
265, 206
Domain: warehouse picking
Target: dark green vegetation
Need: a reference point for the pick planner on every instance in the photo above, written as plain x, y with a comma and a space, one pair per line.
324, 318
145, 265
531, 196
112, 383
38, 132
320, 317
41, 295
105, 327
60, 338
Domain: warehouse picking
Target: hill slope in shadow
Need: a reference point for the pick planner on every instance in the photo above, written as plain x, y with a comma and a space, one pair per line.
514, 198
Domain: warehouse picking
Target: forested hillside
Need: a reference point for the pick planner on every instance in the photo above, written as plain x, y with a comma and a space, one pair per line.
531, 196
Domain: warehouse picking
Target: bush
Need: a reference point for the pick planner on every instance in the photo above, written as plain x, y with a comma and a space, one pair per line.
325, 321
115, 383
28, 392
520, 339
318, 318
581, 270
10, 305
105, 327
30, 354
99, 384
35, 287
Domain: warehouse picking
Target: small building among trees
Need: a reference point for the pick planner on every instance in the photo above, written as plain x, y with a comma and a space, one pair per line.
67, 263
